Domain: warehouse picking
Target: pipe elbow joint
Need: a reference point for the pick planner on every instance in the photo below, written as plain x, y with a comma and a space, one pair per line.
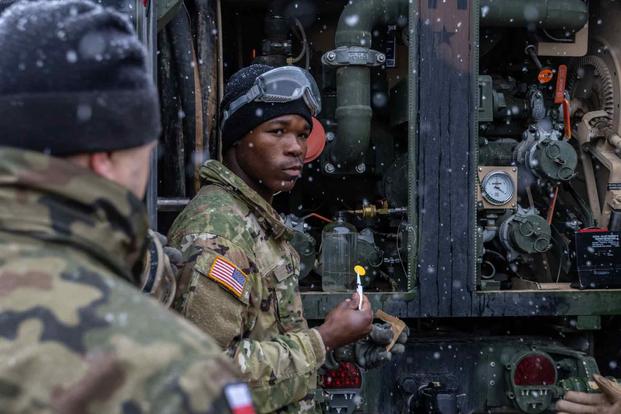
359, 16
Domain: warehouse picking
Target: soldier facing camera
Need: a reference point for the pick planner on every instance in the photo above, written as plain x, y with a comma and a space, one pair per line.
240, 282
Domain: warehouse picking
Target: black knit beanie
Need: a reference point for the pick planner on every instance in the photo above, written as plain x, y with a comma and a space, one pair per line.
73, 79
249, 116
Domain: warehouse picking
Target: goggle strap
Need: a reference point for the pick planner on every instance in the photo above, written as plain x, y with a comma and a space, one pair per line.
241, 101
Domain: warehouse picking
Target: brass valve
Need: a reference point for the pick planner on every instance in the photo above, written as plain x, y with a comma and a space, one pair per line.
370, 210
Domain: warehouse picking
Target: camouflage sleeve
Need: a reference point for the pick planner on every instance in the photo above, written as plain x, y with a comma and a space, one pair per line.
280, 370
74, 340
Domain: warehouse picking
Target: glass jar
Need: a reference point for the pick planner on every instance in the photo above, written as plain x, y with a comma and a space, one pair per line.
338, 256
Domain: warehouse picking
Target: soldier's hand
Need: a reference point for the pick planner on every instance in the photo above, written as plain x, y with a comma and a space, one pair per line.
161, 264
371, 352
174, 255
606, 402
346, 324
382, 335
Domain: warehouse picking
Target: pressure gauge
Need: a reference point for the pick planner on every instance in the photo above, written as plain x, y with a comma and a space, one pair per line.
497, 187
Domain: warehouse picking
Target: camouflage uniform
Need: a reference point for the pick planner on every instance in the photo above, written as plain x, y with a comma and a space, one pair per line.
261, 324
75, 336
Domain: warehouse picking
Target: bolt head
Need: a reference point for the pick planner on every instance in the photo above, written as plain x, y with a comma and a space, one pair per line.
329, 168
331, 56
360, 168
381, 58
330, 136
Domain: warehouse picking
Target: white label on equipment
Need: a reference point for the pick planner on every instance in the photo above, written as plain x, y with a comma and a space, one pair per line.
605, 240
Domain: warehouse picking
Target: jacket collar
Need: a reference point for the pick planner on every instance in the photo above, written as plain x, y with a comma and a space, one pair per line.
57, 201
214, 172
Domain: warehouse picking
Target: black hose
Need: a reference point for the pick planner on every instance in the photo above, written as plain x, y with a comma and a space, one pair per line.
171, 164
181, 44
207, 57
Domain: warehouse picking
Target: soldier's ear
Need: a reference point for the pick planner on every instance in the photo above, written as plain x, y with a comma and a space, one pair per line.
101, 164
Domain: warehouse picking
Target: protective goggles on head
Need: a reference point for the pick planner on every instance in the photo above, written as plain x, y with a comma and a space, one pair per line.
280, 85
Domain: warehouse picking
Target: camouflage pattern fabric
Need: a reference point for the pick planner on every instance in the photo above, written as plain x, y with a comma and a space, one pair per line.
261, 326
75, 335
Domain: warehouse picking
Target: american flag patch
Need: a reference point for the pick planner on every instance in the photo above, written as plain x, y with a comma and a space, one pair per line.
238, 397
228, 275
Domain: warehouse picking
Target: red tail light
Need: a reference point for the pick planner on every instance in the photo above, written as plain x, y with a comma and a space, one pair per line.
346, 376
534, 369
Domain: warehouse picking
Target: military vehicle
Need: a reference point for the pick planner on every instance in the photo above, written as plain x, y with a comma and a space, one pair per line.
471, 165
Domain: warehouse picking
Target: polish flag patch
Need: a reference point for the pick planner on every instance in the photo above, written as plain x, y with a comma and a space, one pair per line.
228, 275
239, 399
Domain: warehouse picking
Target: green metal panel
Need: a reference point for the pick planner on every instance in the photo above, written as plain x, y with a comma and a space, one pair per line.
485, 304
412, 230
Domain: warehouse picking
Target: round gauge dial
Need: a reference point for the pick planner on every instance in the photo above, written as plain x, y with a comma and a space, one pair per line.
497, 187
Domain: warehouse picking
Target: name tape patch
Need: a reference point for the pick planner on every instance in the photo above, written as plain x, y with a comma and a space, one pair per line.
228, 275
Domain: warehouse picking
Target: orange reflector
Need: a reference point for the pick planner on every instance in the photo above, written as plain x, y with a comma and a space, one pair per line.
316, 142
545, 75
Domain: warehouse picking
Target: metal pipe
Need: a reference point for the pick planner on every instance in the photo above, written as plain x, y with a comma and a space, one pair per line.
545, 14
532, 52
489, 234
150, 40
172, 204
353, 114
353, 85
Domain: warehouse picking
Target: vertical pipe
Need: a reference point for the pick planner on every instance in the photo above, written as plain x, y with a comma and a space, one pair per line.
150, 41
353, 113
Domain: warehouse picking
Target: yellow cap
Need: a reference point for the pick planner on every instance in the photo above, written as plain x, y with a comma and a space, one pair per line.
360, 270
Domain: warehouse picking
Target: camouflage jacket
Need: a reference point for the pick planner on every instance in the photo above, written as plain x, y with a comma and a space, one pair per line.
75, 335
240, 284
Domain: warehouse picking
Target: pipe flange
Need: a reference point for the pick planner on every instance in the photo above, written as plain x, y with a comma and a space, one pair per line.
353, 56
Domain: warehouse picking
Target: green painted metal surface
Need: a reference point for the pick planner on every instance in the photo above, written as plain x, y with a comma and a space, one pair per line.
569, 302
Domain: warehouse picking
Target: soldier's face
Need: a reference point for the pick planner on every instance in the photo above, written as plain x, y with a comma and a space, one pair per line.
271, 156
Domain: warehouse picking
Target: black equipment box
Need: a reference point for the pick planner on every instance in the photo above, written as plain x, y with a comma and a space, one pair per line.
598, 258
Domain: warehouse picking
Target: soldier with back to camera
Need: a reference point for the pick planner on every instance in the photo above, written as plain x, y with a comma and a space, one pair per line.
79, 120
